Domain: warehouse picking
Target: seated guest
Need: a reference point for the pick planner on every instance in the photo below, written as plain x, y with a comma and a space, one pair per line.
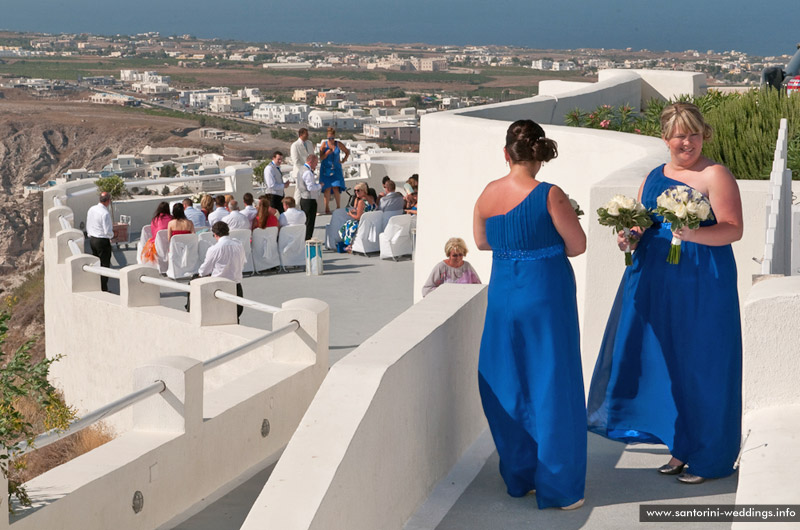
392, 200
219, 212
267, 215
197, 217
160, 220
179, 224
249, 211
364, 204
291, 214
411, 186
384, 180
235, 219
207, 205
452, 270
372, 197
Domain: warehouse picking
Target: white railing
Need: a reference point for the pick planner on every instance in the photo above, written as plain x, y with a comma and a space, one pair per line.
53, 435
778, 237
232, 354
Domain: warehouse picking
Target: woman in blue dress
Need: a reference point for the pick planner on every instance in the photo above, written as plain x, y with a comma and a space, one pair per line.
330, 170
670, 366
529, 372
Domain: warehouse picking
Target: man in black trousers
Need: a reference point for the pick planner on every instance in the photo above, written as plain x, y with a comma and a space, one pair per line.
100, 230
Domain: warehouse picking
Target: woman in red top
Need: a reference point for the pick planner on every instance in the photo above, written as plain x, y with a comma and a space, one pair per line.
266, 216
179, 224
159, 222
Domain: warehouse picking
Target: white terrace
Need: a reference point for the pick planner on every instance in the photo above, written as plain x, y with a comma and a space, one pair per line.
376, 441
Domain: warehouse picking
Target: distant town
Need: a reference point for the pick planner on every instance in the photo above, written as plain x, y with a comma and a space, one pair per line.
371, 93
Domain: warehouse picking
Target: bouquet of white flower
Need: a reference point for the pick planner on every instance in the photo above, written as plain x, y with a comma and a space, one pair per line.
623, 213
575, 206
682, 206
197, 197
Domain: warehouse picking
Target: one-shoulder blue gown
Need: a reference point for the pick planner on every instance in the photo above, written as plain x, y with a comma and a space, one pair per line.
529, 372
670, 365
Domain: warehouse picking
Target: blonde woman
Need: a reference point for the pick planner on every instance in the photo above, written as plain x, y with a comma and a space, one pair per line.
670, 366
453, 269
363, 205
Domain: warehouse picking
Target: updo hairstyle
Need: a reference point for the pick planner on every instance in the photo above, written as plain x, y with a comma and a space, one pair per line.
684, 117
526, 142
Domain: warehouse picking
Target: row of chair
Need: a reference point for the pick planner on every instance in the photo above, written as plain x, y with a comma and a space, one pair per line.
265, 248
387, 232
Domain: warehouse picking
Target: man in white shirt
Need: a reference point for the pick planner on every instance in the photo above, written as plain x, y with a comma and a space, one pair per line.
100, 230
219, 212
197, 217
291, 215
249, 211
236, 220
224, 260
273, 181
301, 148
309, 193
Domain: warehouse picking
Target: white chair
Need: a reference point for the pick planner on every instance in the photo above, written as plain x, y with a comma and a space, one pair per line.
369, 229
144, 237
243, 235
292, 246
183, 259
338, 218
162, 249
265, 248
388, 214
395, 240
205, 240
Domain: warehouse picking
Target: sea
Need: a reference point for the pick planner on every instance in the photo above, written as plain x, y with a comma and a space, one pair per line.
760, 28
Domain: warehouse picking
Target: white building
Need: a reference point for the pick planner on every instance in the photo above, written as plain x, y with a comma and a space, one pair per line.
319, 119
281, 113
223, 103
201, 98
402, 132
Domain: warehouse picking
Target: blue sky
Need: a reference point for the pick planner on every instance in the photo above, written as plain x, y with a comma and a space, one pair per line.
711, 24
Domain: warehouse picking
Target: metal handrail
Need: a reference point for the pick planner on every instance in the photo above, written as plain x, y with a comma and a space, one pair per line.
229, 355
122, 403
73, 246
161, 282
65, 224
258, 306
102, 271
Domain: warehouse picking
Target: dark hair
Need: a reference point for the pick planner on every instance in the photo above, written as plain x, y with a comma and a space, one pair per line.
188, 201
371, 193
385, 179
276, 153
161, 209
219, 200
247, 198
177, 211
301, 131
526, 142
220, 228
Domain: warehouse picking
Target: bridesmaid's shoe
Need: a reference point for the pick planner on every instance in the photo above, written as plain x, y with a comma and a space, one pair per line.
688, 478
667, 469
574, 505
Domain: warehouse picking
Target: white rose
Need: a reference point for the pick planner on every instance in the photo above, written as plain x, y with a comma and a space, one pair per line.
683, 196
612, 208
703, 210
691, 207
680, 211
639, 207
627, 203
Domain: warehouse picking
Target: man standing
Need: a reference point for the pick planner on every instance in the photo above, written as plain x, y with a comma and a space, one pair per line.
301, 148
236, 220
273, 180
309, 193
100, 230
197, 217
224, 260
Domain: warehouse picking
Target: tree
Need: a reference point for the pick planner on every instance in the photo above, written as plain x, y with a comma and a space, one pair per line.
258, 172
114, 186
415, 100
165, 190
168, 171
20, 379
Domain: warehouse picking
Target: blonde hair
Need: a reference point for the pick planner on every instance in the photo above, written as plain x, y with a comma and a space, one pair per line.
207, 202
361, 186
289, 202
331, 131
455, 243
684, 117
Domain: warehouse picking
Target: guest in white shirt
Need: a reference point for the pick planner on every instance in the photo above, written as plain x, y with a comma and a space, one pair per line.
291, 214
197, 217
391, 200
220, 212
236, 220
100, 230
301, 148
225, 260
249, 211
273, 180
309, 193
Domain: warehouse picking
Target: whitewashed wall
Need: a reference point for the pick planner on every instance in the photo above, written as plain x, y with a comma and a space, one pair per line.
387, 424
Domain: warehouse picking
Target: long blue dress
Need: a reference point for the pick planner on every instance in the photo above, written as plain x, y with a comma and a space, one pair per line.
330, 170
670, 365
529, 372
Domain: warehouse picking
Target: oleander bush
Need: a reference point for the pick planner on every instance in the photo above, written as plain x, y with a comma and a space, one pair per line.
745, 127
